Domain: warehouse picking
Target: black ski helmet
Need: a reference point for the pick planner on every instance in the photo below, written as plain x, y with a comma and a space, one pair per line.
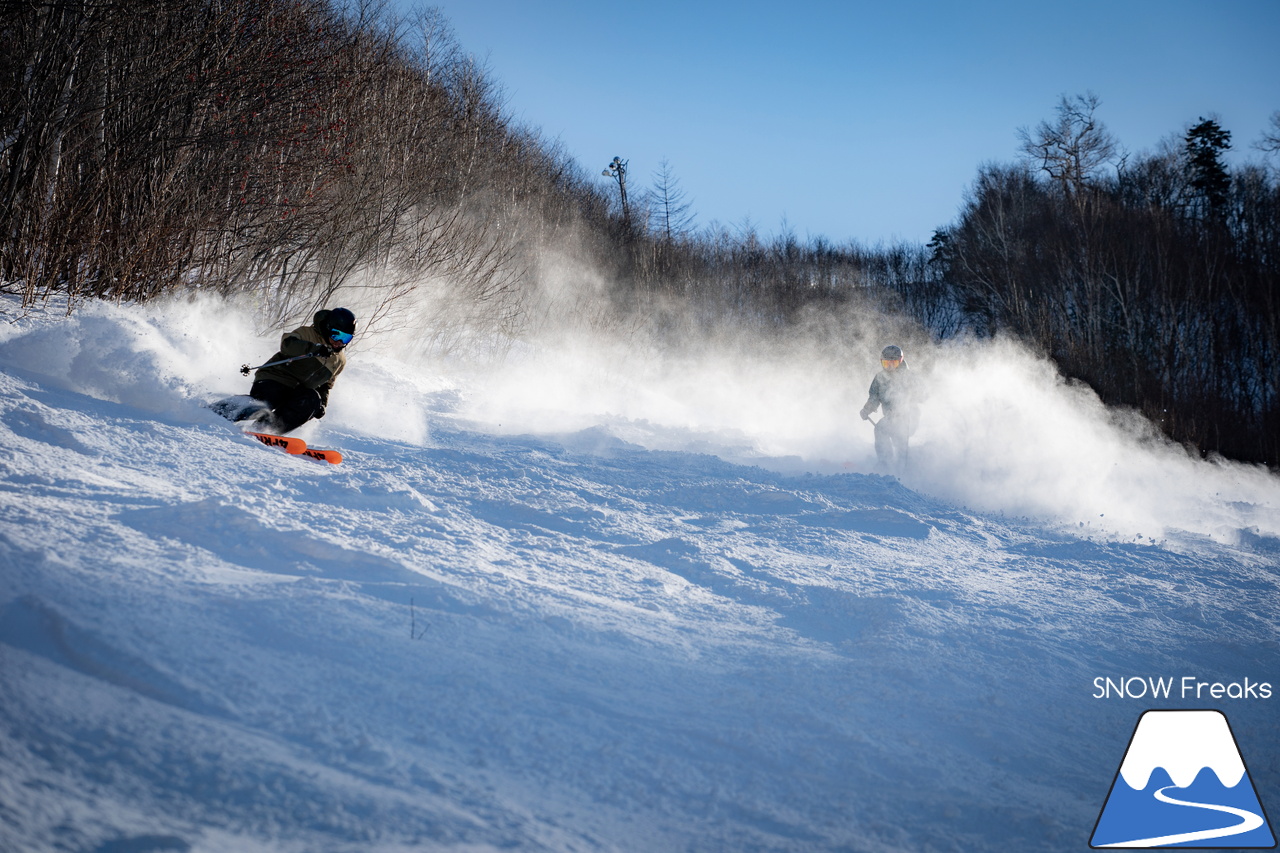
891, 351
342, 320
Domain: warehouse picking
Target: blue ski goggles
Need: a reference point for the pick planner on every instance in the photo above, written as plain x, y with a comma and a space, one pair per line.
338, 337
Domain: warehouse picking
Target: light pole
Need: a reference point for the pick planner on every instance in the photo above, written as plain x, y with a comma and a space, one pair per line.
618, 171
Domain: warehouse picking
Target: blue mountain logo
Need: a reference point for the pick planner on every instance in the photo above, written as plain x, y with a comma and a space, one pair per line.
1182, 783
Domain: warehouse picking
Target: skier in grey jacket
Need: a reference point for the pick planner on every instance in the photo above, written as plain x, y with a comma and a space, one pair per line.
893, 389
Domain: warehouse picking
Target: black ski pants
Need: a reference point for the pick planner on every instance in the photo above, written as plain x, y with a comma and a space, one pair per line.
290, 407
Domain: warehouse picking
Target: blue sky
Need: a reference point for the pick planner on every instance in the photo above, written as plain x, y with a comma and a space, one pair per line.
856, 120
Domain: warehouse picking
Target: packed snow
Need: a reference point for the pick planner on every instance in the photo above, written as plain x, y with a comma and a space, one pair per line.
595, 596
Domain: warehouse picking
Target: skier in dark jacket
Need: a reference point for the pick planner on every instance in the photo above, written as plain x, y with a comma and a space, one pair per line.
298, 391
895, 390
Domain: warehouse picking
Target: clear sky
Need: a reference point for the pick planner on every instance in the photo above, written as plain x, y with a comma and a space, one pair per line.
861, 120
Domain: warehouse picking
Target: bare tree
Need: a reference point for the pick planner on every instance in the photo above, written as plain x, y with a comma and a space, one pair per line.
670, 209
1074, 149
1270, 141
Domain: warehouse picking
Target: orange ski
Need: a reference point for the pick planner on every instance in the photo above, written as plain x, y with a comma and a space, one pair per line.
295, 446
332, 456
287, 443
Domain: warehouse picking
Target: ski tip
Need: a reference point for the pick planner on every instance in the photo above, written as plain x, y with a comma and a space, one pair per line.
333, 457
296, 446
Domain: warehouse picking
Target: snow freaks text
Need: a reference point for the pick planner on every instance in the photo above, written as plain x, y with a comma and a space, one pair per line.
1186, 687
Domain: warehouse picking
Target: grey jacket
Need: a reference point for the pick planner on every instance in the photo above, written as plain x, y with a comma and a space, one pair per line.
895, 390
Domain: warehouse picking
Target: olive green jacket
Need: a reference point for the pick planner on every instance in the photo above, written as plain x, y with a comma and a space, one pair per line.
318, 372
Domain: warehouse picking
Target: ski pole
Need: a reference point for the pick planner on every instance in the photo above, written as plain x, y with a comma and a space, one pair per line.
244, 368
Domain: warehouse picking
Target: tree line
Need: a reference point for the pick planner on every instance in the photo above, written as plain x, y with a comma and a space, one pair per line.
1155, 279
285, 148
290, 149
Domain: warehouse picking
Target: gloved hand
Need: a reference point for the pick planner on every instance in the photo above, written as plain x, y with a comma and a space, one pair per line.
317, 349
866, 416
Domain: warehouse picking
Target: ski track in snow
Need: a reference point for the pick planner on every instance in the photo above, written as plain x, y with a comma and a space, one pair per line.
552, 642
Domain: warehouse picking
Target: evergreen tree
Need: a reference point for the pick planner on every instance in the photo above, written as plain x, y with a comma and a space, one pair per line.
1205, 145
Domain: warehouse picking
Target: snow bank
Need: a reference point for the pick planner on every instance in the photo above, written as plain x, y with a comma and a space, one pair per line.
170, 357
153, 360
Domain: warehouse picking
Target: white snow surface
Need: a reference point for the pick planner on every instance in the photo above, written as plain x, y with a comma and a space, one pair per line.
591, 599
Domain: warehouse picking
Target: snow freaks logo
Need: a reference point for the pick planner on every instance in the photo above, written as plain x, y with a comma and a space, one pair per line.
1188, 687
1182, 783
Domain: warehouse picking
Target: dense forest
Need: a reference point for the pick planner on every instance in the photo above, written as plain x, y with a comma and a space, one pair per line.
289, 151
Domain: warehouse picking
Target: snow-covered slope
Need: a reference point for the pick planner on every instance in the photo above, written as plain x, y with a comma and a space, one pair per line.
524, 616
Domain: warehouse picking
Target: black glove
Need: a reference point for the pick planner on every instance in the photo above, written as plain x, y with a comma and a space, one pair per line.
317, 349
